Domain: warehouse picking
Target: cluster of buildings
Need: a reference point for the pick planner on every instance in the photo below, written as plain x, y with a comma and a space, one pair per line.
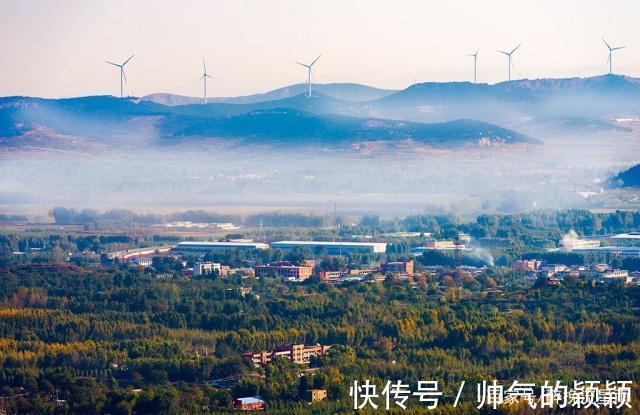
555, 273
293, 272
296, 273
288, 271
330, 248
298, 353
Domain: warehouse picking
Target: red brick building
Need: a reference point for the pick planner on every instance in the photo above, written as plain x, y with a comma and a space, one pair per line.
298, 353
400, 267
285, 270
250, 403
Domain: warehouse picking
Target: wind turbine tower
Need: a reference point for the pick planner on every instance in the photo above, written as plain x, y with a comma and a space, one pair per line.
611, 50
475, 67
123, 77
309, 66
205, 75
510, 61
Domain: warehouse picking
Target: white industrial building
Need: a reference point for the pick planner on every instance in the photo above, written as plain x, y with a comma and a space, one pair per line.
334, 248
615, 250
141, 262
201, 268
196, 246
575, 244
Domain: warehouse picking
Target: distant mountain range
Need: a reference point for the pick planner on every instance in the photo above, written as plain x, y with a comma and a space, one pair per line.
560, 106
577, 98
344, 91
435, 113
274, 123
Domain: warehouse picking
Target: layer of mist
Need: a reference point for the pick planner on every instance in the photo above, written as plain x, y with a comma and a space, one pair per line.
102, 152
560, 173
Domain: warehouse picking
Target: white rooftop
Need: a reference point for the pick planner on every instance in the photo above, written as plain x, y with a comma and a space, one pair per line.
250, 399
329, 243
205, 244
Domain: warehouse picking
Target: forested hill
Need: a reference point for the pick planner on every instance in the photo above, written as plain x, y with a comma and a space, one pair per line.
627, 178
275, 122
285, 124
343, 91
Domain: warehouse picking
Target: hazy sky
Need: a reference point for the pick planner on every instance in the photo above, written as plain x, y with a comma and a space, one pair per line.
58, 48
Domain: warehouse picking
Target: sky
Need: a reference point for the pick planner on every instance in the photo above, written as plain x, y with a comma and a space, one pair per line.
58, 48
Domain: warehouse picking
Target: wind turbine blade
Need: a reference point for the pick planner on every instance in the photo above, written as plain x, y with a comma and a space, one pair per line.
124, 75
619, 47
111, 63
514, 49
605, 42
503, 52
130, 57
316, 60
204, 65
609, 57
306, 66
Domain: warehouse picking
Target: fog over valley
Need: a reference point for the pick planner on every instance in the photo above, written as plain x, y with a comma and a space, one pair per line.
452, 147
370, 177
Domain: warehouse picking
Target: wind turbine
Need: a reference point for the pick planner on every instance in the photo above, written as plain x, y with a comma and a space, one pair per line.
205, 75
508, 54
123, 77
309, 66
475, 66
611, 50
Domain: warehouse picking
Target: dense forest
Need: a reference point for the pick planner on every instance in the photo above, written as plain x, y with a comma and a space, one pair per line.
98, 336
545, 223
119, 341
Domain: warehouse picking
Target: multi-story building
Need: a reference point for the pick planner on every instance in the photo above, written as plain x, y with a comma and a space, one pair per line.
285, 270
298, 353
528, 264
553, 269
399, 267
202, 268
346, 274
444, 245
615, 275
141, 262
249, 403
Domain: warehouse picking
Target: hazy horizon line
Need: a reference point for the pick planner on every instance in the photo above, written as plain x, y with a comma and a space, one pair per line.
262, 92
